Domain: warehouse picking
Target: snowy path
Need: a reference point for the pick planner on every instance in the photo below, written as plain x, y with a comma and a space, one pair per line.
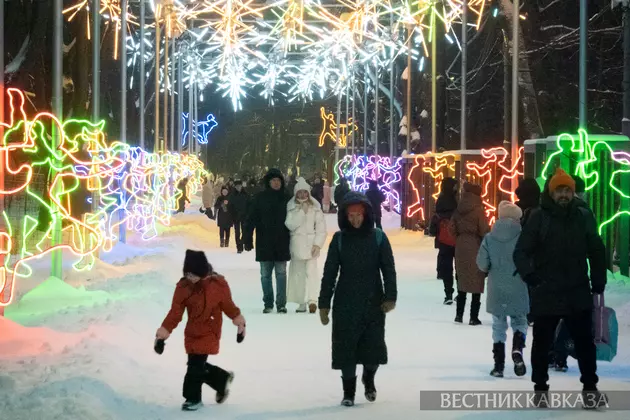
98, 363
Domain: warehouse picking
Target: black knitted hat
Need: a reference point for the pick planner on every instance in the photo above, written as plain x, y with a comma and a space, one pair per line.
196, 263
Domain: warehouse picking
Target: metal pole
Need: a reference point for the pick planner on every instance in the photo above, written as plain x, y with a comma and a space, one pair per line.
515, 86
583, 51
365, 109
433, 84
122, 227
196, 125
409, 35
376, 125
165, 94
57, 109
96, 60
464, 72
142, 71
2, 224
506, 90
172, 93
190, 114
338, 130
391, 89
624, 222
180, 101
156, 146
354, 106
348, 120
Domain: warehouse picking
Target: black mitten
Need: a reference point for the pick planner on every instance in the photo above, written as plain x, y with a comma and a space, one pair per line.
240, 337
159, 346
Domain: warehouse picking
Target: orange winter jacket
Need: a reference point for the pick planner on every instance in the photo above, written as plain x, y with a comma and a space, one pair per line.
205, 302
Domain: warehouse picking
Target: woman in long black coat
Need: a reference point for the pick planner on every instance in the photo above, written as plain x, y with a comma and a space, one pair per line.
361, 296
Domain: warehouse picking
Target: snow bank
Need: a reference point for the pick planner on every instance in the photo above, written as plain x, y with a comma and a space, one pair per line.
19, 341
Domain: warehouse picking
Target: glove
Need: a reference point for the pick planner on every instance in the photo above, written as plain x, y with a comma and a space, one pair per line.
158, 346
239, 321
162, 333
388, 306
315, 251
323, 316
532, 279
598, 289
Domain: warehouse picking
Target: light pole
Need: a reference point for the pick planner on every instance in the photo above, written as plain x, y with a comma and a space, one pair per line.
57, 109
515, 84
464, 72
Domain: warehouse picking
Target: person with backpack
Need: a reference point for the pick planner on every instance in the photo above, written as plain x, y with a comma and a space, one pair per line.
507, 294
553, 254
445, 206
469, 226
361, 257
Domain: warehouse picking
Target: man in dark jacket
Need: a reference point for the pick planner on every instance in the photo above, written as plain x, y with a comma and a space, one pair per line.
238, 210
377, 198
318, 190
341, 190
528, 193
361, 296
552, 255
266, 216
445, 205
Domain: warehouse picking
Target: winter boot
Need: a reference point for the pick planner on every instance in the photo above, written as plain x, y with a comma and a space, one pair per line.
460, 305
222, 243
368, 382
561, 365
593, 399
475, 304
349, 390
541, 396
222, 394
518, 343
192, 405
301, 308
448, 300
498, 352
312, 308
282, 310
227, 243
267, 310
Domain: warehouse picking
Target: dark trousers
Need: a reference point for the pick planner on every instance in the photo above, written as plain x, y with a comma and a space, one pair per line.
224, 234
377, 220
580, 326
349, 372
181, 205
475, 304
445, 260
198, 373
239, 227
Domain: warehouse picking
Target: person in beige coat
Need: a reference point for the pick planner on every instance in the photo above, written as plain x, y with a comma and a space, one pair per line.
305, 221
469, 226
207, 198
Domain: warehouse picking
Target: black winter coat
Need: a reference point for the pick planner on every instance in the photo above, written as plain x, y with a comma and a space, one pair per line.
318, 192
222, 213
340, 191
238, 205
376, 198
266, 215
358, 323
561, 259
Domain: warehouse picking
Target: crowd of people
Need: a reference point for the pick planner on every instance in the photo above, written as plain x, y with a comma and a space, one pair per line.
543, 261
535, 259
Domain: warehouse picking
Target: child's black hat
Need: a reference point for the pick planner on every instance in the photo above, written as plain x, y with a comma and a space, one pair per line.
196, 263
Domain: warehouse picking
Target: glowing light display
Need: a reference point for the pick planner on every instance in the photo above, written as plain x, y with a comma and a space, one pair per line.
359, 170
203, 128
122, 185
329, 130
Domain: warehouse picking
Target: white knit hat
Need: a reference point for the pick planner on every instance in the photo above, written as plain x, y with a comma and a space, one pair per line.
301, 185
509, 210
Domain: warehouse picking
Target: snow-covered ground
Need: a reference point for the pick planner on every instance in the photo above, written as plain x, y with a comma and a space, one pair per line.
82, 348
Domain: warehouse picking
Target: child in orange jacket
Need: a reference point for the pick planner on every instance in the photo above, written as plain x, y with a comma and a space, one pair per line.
206, 296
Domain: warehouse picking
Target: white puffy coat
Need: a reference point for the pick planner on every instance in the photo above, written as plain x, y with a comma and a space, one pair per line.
307, 229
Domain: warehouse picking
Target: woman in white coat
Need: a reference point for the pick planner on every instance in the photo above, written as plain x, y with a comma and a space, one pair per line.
305, 221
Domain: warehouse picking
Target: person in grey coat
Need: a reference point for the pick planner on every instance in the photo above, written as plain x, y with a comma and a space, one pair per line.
360, 278
507, 293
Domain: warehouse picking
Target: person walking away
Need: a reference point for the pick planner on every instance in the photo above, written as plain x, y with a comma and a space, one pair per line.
341, 190
181, 203
469, 226
305, 221
377, 198
224, 218
237, 207
507, 293
326, 198
207, 198
558, 244
318, 190
267, 216
445, 206
205, 296
365, 291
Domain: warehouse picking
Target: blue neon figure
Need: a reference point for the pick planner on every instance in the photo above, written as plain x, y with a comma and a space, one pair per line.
204, 128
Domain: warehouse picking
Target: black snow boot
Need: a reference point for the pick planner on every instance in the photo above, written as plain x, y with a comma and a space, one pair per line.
460, 301
349, 391
541, 395
368, 382
222, 243
518, 343
593, 399
475, 304
498, 353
